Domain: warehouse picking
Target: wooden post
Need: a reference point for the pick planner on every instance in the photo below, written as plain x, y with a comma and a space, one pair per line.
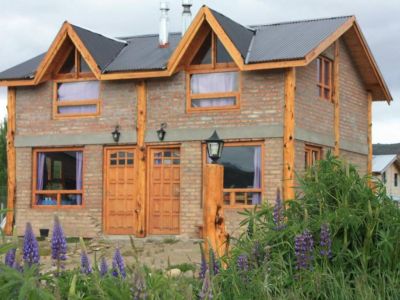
11, 166
141, 93
214, 233
336, 99
369, 136
288, 134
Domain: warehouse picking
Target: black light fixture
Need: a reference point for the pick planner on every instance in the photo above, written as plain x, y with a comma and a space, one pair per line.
116, 134
214, 147
161, 132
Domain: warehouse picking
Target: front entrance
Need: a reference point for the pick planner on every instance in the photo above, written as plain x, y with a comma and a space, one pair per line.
120, 190
164, 191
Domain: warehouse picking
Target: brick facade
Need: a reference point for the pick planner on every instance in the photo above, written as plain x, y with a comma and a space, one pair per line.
262, 103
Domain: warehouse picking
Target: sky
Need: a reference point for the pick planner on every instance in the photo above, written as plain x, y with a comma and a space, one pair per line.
29, 27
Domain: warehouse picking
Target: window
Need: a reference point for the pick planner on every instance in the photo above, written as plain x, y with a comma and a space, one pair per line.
324, 75
243, 174
384, 177
57, 178
213, 80
395, 179
311, 155
76, 92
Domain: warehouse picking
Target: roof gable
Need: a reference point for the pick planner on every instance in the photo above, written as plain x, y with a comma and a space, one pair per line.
380, 163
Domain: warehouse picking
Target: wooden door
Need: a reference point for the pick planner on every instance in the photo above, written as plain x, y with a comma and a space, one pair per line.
120, 190
164, 194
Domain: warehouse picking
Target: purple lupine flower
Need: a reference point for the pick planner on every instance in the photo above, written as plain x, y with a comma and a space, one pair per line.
118, 264
242, 263
325, 241
206, 290
257, 253
58, 244
85, 263
215, 266
203, 265
103, 267
17, 266
30, 248
10, 257
304, 247
278, 217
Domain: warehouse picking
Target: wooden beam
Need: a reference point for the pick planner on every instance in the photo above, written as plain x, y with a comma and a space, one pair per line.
336, 98
369, 136
11, 164
288, 134
141, 92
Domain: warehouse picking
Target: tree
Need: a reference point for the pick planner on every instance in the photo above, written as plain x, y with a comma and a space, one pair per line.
3, 161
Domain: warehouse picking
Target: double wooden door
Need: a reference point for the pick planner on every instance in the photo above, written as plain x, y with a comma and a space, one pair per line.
164, 191
120, 190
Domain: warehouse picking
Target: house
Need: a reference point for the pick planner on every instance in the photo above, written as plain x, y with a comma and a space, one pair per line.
387, 169
84, 119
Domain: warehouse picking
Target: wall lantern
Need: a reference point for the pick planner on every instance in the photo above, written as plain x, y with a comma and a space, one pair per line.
214, 147
116, 134
161, 132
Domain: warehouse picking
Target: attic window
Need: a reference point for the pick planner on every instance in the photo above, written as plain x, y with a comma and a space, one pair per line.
74, 66
324, 77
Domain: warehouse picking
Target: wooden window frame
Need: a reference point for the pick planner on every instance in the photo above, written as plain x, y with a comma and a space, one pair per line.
321, 60
233, 192
308, 150
214, 67
58, 192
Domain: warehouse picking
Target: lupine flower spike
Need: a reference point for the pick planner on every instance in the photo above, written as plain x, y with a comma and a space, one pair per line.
304, 247
85, 263
206, 290
103, 267
30, 248
215, 266
325, 241
58, 245
243, 263
10, 258
257, 253
278, 217
203, 264
118, 264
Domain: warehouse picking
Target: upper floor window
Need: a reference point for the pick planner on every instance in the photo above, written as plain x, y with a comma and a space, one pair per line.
76, 92
396, 179
58, 177
311, 155
324, 77
213, 80
384, 177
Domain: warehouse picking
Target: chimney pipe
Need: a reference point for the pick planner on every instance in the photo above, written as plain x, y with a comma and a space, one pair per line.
186, 15
163, 37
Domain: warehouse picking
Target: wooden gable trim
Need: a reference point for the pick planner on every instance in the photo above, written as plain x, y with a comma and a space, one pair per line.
65, 31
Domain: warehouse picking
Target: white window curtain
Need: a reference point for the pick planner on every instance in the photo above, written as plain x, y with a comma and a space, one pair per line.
75, 91
214, 83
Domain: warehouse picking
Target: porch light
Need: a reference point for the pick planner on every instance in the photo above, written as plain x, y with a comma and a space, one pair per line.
116, 134
161, 132
214, 147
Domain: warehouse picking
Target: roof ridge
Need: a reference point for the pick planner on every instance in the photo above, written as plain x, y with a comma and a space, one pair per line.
244, 26
100, 34
300, 21
144, 35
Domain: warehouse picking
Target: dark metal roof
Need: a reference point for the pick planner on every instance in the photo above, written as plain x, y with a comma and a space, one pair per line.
385, 149
292, 40
263, 43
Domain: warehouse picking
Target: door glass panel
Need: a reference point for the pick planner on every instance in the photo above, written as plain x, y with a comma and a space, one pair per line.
121, 154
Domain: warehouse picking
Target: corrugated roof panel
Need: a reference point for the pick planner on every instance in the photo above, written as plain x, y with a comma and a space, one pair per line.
25, 70
381, 162
286, 41
103, 49
144, 53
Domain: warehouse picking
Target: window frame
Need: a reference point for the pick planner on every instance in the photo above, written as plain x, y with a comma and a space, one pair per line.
214, 67
58, 192
321, 60
308, 150
233, 192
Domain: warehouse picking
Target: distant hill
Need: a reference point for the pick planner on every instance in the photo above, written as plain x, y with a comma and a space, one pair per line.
384, 149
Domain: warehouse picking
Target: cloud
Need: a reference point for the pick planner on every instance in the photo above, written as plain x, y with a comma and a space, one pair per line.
30, 26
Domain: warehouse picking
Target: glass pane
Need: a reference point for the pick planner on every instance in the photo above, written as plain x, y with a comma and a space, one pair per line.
203, 56
218, 102
130, 161
214, 82
113, 162
167, 162
69, 65
121, 154
327, 94
319, 70
84, 66
222, 55
306, 159
114, 155
242, 166
59, 170
167, 154
327, 73
130, 155
121, 162
227, 198
240, 198
176, 161
46, 199
253, 198
79, 109
82, 90
71, 199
